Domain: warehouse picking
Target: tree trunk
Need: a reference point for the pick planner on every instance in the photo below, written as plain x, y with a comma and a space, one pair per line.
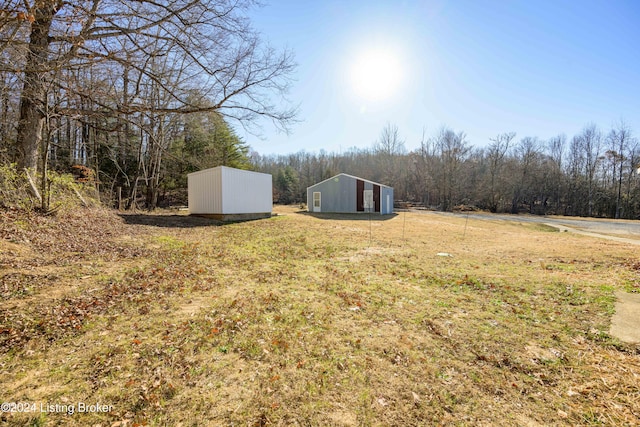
33, 96
30, 127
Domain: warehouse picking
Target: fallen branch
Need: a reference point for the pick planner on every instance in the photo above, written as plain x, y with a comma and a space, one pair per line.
82, 200
33, 189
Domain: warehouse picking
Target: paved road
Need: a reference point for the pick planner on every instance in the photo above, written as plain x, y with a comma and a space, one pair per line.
627, 230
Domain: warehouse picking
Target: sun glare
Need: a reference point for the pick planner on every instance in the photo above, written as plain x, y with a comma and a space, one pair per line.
376, 74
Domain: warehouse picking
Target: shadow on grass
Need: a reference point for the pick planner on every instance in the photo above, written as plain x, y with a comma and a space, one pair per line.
364, 216
169, 221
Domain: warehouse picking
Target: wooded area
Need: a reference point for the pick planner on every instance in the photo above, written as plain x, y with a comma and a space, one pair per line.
135, 95
594, 173
140, 92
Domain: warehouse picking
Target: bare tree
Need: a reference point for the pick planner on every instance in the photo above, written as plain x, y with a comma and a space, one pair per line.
619, 139
632, 201
452, 149
8, 113
33, 100
591, 142
388, 149
524, 183
556, 146
422, 162
211, 42
496, 159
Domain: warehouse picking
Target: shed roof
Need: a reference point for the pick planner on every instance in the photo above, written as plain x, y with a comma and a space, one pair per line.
350, 176
228, 168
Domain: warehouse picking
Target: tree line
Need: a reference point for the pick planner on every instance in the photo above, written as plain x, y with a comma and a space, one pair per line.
594, 173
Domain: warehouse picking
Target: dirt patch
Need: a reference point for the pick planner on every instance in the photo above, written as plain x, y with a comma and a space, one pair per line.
193, 306
542, 355
625, 323
366, 252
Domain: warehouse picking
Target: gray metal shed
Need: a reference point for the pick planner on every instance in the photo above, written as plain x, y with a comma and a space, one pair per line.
345, 193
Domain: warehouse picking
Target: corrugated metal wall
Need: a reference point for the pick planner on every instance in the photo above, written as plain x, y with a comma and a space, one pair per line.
224, 190
205, 191
338, 194
246, 191
386, 202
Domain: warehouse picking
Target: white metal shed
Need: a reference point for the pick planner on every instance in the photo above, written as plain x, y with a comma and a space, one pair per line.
230, 194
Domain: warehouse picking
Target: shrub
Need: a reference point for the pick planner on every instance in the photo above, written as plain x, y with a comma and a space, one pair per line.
63, 191
13, 189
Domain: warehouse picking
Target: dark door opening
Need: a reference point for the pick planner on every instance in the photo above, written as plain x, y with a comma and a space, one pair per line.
376, 198
359, 195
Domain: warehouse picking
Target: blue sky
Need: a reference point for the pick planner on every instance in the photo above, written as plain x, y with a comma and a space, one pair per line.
537, 68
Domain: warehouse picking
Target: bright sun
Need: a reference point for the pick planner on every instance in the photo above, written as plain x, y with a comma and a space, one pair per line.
376, 74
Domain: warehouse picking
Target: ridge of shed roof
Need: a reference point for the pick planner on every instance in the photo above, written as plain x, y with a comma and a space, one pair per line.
350, 176
227, 167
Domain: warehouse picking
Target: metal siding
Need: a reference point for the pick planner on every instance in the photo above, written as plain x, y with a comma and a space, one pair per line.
204, 197
346, 200
215, 194
325, 189
350, 200
310, 199
245, 191
387, 208
224, 190
340, 194
191, 192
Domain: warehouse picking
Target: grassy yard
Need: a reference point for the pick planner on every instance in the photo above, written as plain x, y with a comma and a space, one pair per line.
419, 319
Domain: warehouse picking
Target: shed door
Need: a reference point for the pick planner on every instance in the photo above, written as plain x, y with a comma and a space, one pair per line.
317, 196
368, 201
359, 195
376, 198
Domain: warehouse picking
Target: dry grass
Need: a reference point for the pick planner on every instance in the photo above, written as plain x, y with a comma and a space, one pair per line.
302, 320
